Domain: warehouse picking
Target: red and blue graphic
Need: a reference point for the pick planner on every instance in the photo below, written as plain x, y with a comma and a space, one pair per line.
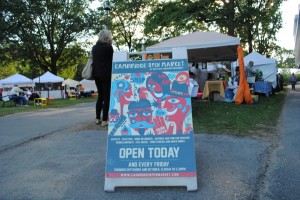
150, 132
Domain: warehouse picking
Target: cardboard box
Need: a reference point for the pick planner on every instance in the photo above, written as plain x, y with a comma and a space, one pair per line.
255, 98
217, 97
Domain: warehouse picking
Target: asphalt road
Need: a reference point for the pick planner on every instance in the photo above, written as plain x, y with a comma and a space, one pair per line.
282, 179
61, 154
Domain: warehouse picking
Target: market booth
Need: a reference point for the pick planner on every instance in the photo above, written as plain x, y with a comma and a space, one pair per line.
88, 85
70, 83
202, 48
16, 79
70, 88
267, 66
49, 85
88, 88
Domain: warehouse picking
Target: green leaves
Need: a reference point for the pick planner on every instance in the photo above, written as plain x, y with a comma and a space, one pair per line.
44, 29
255, 22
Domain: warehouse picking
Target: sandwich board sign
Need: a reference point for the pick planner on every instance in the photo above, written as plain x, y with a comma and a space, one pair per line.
150, 134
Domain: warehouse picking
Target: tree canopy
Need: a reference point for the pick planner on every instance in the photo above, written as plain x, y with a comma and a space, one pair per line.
39, 36
254, 21
46, 33
127, 22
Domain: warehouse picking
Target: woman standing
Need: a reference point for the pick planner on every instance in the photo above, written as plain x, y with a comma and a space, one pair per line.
102, 66
293, 81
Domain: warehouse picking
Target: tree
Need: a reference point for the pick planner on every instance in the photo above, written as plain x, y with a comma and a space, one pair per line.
8, 69
171, 19
254, 21
285, 58
46, 32
126, 22
258, 23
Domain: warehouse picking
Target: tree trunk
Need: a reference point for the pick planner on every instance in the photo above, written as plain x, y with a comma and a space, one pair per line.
231, 16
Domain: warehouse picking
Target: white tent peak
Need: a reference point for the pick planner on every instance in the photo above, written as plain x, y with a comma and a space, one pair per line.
18, 79
88, 85
48, 77
202, 46
193, 40
70, 82
258, 59
268, 66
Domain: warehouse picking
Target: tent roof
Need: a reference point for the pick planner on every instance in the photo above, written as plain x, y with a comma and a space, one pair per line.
70, 82
88, 84
17, 79
257, 58
202, 46
48, 77
87, 81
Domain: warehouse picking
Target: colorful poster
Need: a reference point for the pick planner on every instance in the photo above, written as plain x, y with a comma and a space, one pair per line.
150, 133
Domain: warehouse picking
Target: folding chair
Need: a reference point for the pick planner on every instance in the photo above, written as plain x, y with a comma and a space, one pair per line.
6, 99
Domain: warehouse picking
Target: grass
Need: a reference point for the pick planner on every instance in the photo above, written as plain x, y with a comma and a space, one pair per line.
238, 119
208, 117
57, 103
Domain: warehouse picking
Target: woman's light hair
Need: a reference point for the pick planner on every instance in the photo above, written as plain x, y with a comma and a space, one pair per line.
105, 36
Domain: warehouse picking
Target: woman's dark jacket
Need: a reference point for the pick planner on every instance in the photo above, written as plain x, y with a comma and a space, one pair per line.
102, 60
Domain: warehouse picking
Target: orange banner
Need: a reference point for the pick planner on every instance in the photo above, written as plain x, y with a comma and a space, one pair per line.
243, 92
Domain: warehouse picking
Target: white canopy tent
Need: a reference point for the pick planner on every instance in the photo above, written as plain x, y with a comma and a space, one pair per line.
268, 66
70, 82
17, 79
48, 77
202, 46
88, 85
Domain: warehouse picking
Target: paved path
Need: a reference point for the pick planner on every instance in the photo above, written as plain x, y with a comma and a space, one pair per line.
61, 155
23, 127
283, 176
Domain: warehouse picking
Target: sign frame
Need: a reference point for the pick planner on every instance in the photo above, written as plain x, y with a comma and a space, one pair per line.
183, 178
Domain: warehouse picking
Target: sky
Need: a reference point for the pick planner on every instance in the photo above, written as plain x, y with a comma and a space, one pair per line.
285, 37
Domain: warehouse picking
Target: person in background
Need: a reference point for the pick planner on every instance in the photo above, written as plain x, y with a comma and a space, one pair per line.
15, 94
250, 73
102, 67
33, 94
249, 69
235, 81
293, 81
28, 93
277, 89
77, 92
195, 70
281, 80
236, 77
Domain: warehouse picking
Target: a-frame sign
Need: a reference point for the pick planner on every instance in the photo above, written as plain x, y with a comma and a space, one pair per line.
150, 134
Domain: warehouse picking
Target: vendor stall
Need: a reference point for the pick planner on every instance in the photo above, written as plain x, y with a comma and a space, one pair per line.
267, 66
202, 46
50, 85
20, 80
17, 79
